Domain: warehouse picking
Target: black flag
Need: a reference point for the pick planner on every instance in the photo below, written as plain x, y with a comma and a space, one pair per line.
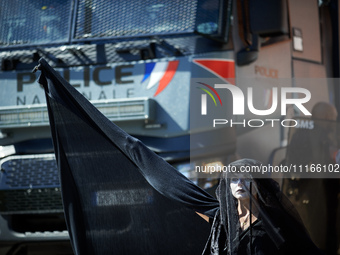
119, 197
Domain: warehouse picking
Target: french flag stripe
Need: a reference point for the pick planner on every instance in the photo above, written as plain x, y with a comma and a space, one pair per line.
169, 74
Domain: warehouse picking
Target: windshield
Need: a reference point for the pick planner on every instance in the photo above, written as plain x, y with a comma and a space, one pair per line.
34, 22
26, 22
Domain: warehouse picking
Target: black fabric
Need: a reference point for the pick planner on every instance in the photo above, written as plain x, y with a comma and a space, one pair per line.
119, 197
260, 243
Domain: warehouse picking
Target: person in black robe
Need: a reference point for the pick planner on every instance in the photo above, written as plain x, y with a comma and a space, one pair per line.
119, 197
255, 217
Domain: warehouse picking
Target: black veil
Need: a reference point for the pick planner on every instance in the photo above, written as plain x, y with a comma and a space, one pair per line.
279, 219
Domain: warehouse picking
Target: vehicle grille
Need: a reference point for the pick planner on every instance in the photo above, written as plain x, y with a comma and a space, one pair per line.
29, 184
29, 201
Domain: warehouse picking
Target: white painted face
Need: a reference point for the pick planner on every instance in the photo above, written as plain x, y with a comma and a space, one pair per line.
239, 186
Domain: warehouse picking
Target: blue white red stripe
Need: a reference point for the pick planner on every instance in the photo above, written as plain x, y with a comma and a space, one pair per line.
161, 73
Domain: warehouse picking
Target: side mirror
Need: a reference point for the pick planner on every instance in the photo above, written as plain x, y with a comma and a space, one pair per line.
262, 18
